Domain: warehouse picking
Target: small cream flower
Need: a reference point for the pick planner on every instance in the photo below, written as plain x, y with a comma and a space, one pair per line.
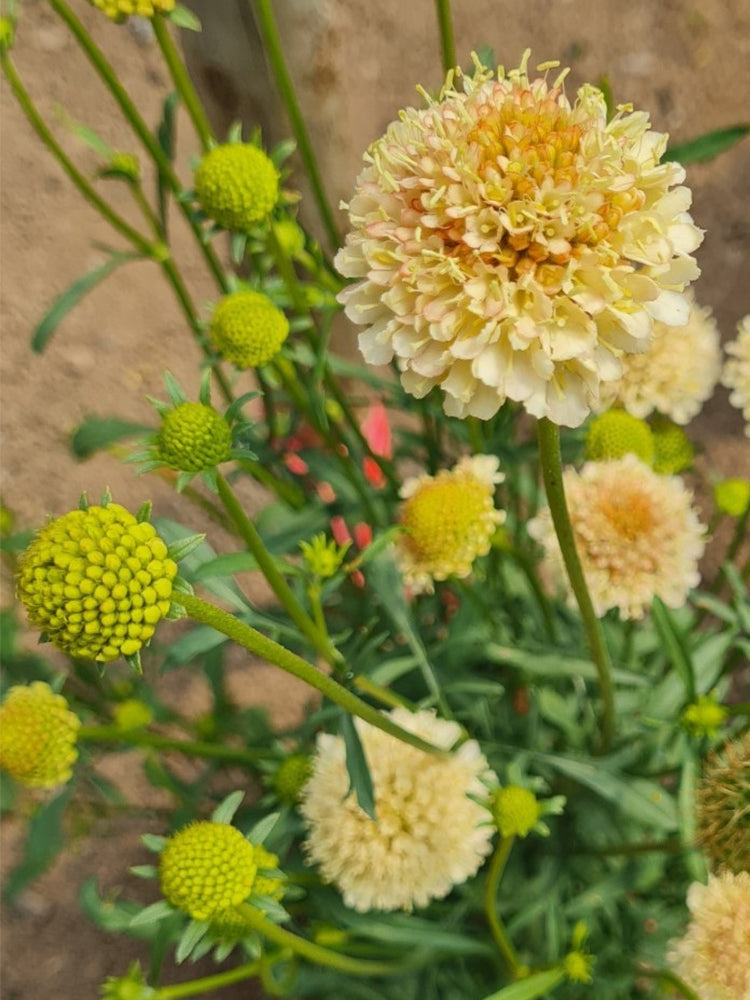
636, 532
676, 374
448, 521
428, 834
714, 955
509, 244
736, 372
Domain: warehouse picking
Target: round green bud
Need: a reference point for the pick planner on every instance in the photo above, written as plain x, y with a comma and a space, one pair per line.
121, 10
291, 777
97, 582
732, 496
132, 714
237, 185
131, 986
37, 736
516, 811
207, 868
673, 450
193, 437
704, 717
617, 433
247, 329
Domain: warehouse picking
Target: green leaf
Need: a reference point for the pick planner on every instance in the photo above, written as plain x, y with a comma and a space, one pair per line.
224, 812
356, 765
73, 295
192, 934
687, 813
98, 433
674, 645
226, 565
556, 665
184, 18
157, 911
181, 548
529, 989
262, 828
706, 146
44, 841
144, 871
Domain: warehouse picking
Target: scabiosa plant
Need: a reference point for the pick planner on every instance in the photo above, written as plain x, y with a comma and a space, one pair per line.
97, 581
429, 832
637, 535
735, 374
617, 433
448, 521
248, 329
497, 235
237, 185
38, 735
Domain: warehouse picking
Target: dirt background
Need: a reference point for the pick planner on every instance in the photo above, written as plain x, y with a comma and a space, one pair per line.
354, 63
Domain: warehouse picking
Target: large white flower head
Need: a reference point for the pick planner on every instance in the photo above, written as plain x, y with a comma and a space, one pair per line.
509, 244
714, 955
676, 374
736, 373
448, 521
637, 535
428, 834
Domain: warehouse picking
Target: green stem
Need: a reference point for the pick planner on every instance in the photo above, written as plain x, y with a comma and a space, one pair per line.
319, 639
499, 933
88, 192
258, 644
315, 952
182, 82
551, 465
150, 143
285, 491
215, 982
142, 738
447, 43
272, 43
382, 694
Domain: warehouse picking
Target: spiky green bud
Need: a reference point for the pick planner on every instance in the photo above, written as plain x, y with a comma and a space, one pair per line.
247, 329
193, 437
516, 811
291, 777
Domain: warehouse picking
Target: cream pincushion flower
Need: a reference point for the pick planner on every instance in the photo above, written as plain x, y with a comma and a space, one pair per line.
736, 373
509, 244
714, 955
637, 535
448, 521
428, 835
676, 374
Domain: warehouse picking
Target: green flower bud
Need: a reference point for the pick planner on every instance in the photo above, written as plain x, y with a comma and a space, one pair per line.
323, 556
193, 437
516, 811
615, 434
704, 717
673, 450
97, 582
37, 736
291, 777
732, 496
247, 329
132, 714
131, 986
237, 185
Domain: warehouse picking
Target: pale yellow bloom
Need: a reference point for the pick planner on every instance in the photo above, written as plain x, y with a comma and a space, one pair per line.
507, 243
676, 374
736, 372
428, 834
714, 955
636, 532
448, 521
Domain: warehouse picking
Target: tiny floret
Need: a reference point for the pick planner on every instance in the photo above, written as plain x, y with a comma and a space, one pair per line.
248, 329
37, 736
732, 496
429, 833
713, 958
237, 185
736, 372
207, 868
637, 534
193, 437
448, 521
120, 10
97, 582
617, 433
516, 811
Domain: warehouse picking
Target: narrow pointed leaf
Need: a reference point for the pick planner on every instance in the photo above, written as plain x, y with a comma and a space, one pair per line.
224, 812
707, 146
674, 646
535, 986
192, 934
263, 828
97, 433
356, 765
157, 911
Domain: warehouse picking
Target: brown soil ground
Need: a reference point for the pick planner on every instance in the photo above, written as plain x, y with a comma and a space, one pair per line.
686, 62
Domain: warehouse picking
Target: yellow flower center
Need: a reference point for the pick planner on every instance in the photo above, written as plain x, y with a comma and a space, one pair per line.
630, 513
442, 517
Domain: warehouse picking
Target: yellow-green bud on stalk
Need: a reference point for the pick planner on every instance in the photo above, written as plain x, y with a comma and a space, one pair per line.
704, 717
323, 556
193, 437
617, 433
291, 777
121, 10
207, 868
673, 450
132, 714
732, 496
38, 736
248, 329
131, 986
237, 185
516, 811
97, 582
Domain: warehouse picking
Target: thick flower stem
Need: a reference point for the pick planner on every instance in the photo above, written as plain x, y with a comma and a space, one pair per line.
499, 933
142, 738
447, 42
182, 81
319, 638
266, 21
258, 644
316, 953
551, 465
216, 982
